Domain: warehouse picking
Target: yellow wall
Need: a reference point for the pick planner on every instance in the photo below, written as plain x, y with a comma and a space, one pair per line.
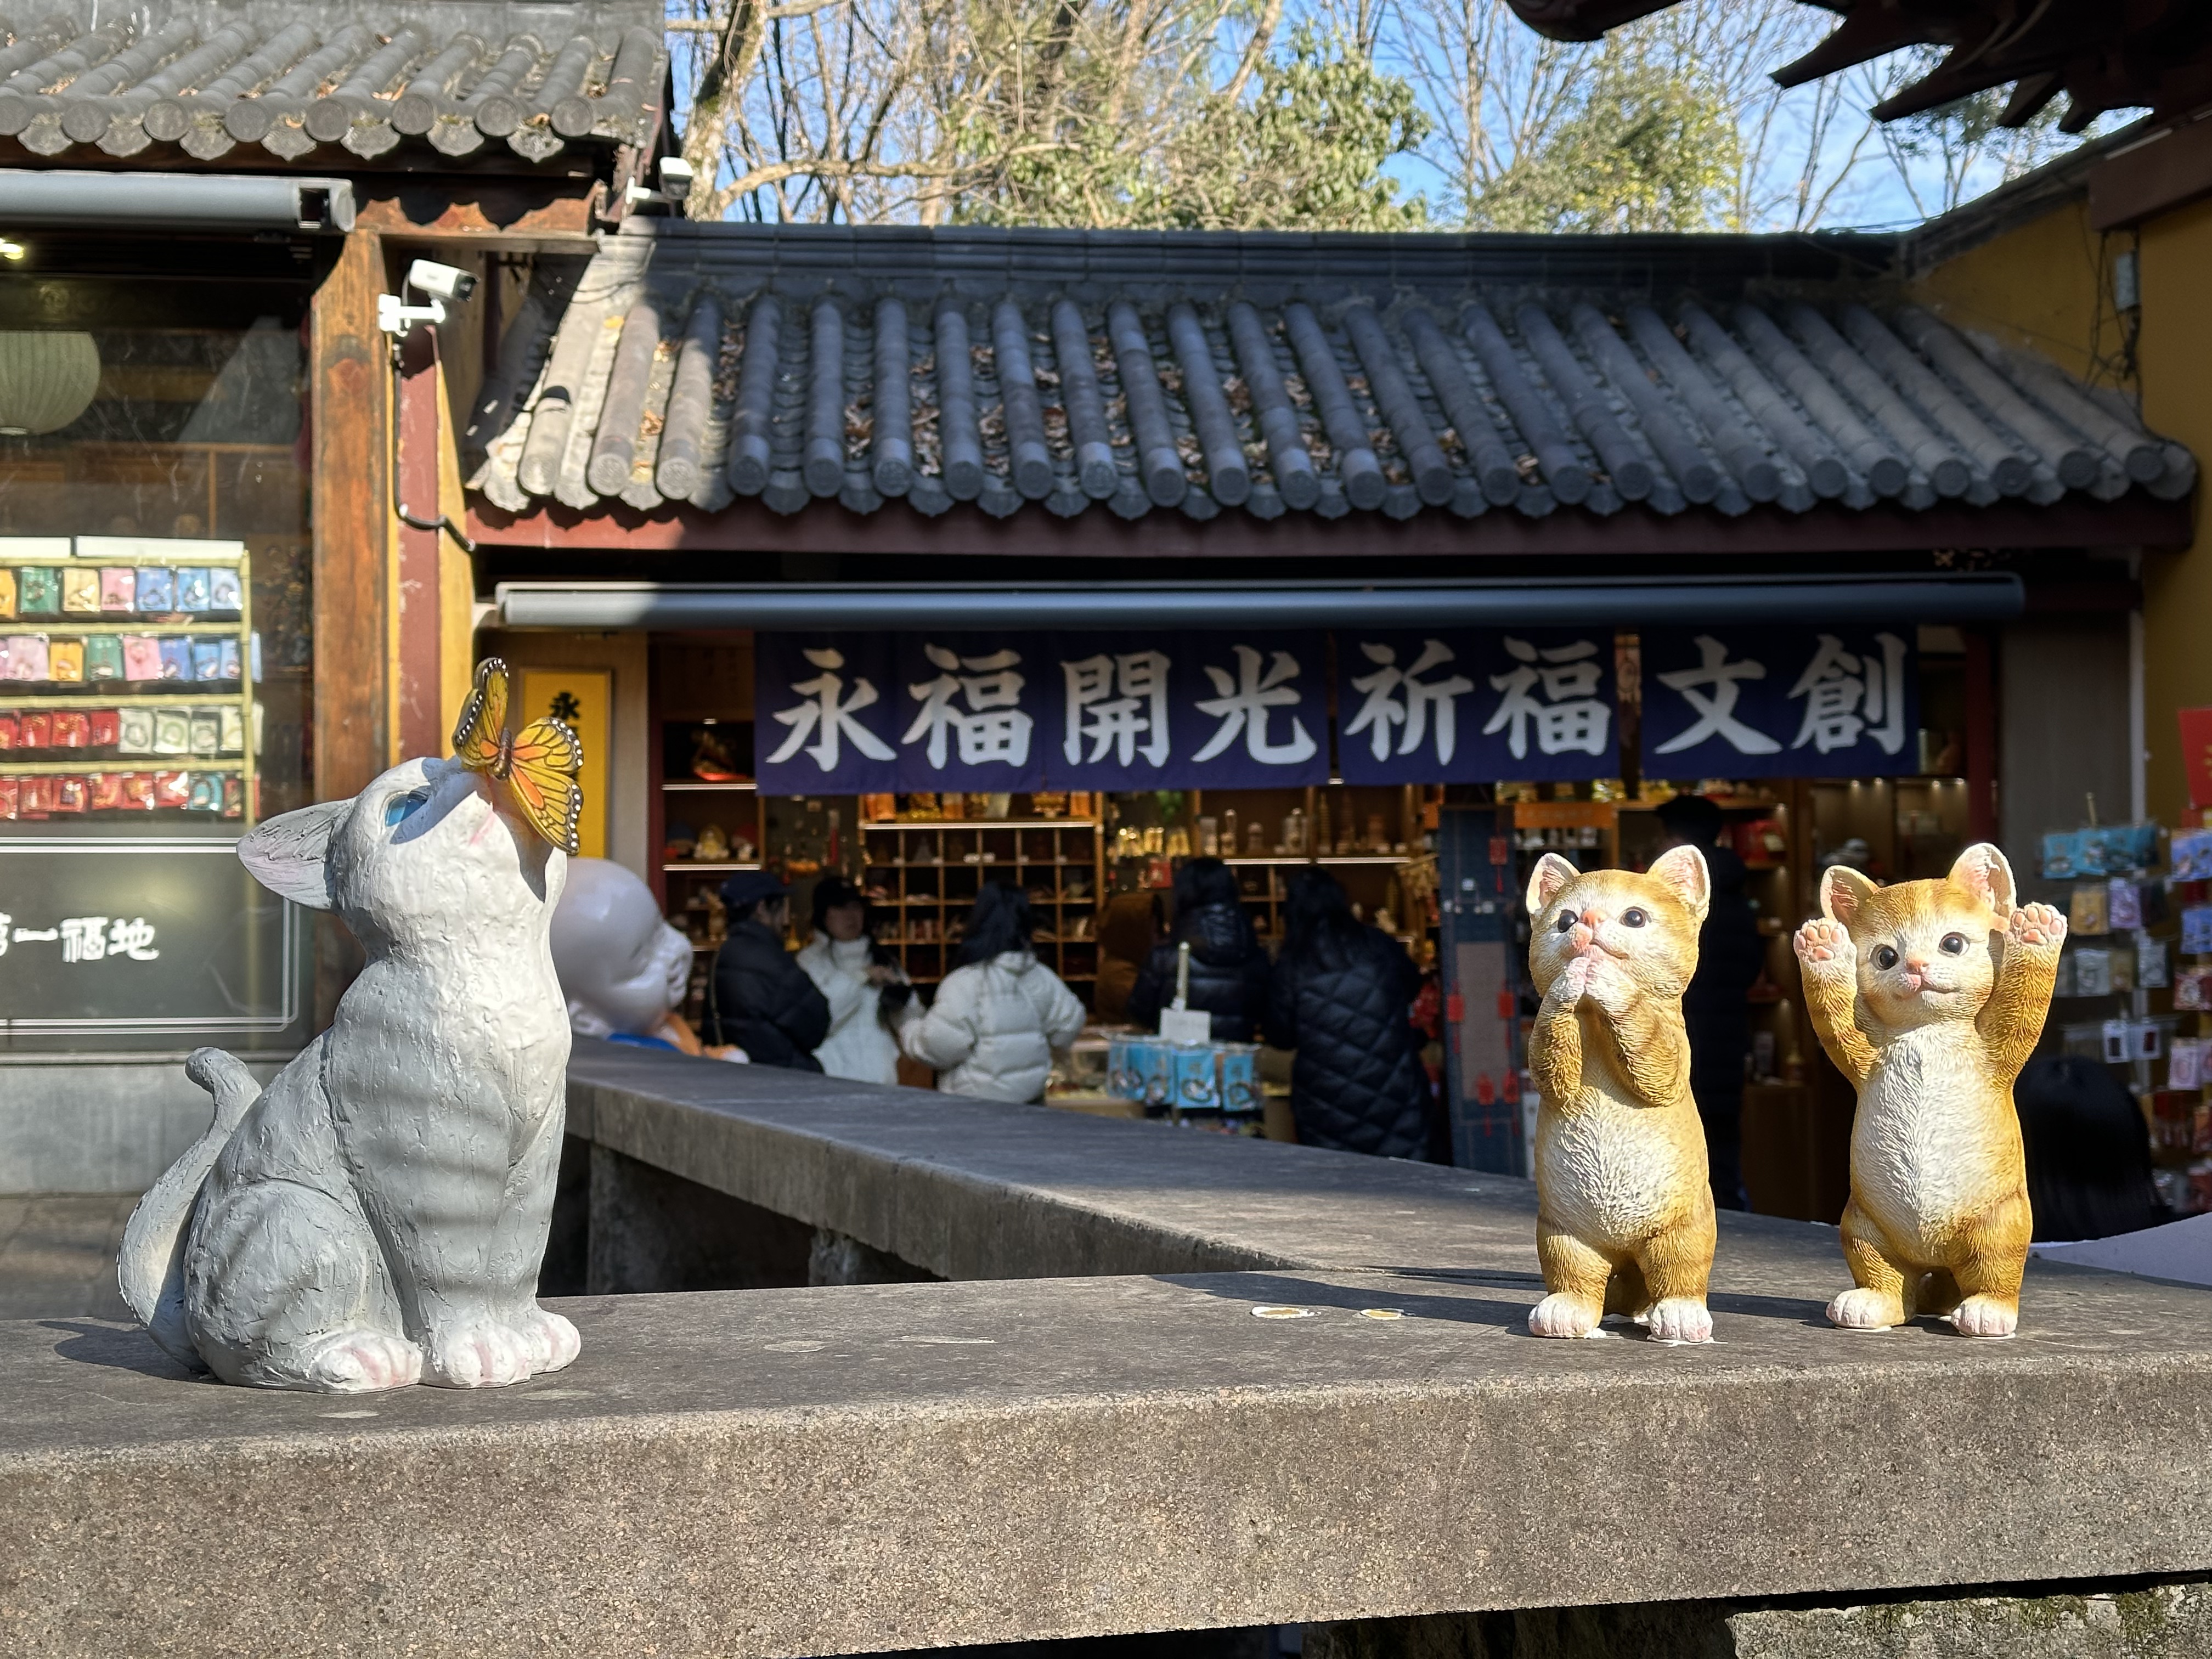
2048, 285
2042, 286
2177, 357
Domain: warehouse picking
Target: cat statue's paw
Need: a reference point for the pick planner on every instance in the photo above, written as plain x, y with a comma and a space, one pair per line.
1822, 943
1985, 1316
1862, 1310
2034, 925
491, 1353
362, 1362
1678, 1319
557, 1343
1560, 1314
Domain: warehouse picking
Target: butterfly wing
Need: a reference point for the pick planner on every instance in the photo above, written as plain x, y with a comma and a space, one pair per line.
542, 778
478, 734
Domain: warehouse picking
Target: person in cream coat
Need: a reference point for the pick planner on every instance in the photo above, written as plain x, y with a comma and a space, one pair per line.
1002, 1015
868, 994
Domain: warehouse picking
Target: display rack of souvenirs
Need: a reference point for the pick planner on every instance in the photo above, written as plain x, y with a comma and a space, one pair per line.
127, 668
2130, 897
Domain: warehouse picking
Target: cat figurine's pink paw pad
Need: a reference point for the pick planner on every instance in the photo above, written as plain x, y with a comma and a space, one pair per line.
1820, 940
486, 1353
1559, 1315
364, 1362
2036, 924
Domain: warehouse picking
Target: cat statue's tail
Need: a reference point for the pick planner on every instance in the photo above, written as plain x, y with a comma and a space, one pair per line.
151, 1265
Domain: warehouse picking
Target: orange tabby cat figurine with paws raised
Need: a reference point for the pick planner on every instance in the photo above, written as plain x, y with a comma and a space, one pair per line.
1929, 996
1624, 1206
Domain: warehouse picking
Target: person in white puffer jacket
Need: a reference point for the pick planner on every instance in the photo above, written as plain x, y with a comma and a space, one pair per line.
1000, 1017
867, 994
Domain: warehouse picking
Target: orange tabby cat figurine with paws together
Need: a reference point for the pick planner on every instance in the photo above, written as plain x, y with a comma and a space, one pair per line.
1929, 996
1624, 1206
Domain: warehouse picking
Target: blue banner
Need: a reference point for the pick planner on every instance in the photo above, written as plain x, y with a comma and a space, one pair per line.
1186, 711
1780, 702
973, 711
1460, 706
823, 712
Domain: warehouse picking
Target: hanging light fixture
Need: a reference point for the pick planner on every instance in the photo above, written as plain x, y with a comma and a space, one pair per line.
47, 379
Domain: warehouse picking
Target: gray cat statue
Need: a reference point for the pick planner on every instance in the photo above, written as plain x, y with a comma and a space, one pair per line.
377, 1215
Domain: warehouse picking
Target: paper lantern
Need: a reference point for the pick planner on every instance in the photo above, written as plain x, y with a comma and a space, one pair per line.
47, 379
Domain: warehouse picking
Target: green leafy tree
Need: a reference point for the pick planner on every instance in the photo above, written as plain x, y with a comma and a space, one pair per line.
1646, 146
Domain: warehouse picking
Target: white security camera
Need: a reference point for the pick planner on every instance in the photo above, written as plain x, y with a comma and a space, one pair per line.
441, 281
675, 176
426, 277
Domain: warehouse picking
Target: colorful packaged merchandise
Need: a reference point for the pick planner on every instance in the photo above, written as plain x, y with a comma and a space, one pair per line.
105, 723
2150, 963
11, 734
2123, 905
72, 729
206, 794
157, 591
2088, 911
107, 792
192, 590
137, 791
135, 732
172, 791
2093, 973
141, 656
66, 662
26, 656
103, 657
37, 795
225, 590
227, 667
2197, 931
230, 738
2192, 990
233, 795
118, 588
8, 798
207, 731
35, 730
39, 591
1197, 1079
6, 594
81, 591
207, 658
172, 732
1240, 1076
2192, 854
71, 795
176, 657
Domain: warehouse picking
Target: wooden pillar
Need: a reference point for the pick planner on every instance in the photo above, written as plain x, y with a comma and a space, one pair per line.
417, 726
351, 509
1981, 758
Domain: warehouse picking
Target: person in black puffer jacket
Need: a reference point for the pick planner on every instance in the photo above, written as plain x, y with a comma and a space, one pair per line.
1228, 963
762, 998
1341, 995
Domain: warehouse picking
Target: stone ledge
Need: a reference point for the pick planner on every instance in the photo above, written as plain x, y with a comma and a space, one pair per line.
780, 1472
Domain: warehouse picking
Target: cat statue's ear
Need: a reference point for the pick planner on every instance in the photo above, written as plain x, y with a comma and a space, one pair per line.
1551, 874
1982, 871
290, 854
1684, 869
1844, 892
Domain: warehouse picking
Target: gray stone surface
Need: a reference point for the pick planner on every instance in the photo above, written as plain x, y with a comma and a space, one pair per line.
1050, 1455
857, 1468
57, 1253
98, 1123
2172, 1621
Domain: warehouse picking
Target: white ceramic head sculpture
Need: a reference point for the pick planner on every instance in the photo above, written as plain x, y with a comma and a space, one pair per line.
377, 1215
621, 967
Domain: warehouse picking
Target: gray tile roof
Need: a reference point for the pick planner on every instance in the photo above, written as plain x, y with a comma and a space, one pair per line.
1072, 371
421, 82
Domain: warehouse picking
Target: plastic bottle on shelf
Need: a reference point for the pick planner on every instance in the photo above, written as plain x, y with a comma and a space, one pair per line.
1230, 848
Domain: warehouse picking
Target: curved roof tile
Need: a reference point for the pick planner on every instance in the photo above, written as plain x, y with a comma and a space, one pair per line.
1069, 372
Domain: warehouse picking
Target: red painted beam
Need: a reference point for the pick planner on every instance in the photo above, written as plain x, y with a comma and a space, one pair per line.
746, 526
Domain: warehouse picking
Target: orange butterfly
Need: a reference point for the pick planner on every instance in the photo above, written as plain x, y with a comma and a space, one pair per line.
539, 767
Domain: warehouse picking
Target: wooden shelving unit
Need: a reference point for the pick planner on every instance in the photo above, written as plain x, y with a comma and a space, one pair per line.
927, 874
